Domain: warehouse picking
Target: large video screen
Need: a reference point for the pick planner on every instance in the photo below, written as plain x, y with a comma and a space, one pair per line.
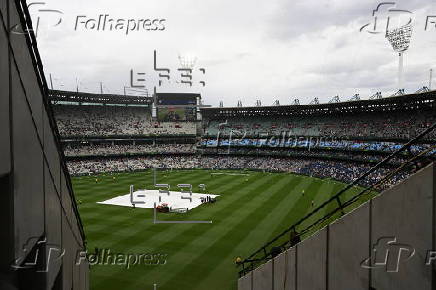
171, 106
171, 114
177, 99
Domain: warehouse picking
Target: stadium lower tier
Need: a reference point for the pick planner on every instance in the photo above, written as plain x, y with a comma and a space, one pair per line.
342, 171
126, 148
307, 142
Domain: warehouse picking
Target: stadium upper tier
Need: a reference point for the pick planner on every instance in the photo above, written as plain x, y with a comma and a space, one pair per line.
397, 125
126, 149
95, 120
401, 117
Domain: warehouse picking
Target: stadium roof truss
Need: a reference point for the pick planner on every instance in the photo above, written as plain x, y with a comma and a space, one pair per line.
80, 97
424, 100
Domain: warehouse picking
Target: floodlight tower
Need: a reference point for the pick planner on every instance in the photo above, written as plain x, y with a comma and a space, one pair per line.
400, 41
187, 61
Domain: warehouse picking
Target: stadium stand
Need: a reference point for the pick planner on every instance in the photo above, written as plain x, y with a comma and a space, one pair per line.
119, 149
326, 140
343, 171
393, 125
111, 120
397, 118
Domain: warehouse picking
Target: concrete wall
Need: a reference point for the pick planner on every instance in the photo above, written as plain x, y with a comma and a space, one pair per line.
398, 224
37, 206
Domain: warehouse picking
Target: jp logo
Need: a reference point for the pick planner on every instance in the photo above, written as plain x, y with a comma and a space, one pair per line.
388, 254
391, 12
36, 258
234, 136
36, 19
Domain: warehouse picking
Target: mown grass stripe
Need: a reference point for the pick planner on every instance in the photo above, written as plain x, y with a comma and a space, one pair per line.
259, 210
186, 236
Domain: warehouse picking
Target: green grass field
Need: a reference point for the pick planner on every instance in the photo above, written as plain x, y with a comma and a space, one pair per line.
250, 211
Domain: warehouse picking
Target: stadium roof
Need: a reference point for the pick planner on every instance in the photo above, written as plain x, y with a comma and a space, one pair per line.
414, 101
80, 97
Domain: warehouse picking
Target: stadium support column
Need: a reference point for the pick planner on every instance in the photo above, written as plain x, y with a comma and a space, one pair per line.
197, 108
153, 111
154, 176
400, 71
153, 105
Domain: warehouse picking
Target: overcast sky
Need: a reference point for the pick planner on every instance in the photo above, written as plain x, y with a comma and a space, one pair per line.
266, 50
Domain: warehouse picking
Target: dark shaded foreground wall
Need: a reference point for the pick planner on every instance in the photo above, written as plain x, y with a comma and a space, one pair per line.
38, 215
398, 224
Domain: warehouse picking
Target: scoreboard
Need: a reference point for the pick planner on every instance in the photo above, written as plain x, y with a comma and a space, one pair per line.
176, 106
176, 99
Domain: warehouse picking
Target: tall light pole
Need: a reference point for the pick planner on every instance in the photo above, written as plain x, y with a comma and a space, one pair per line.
400, 41
51, 82
187, 61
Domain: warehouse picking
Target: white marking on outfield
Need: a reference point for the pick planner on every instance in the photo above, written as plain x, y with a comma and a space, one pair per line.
174, 199
243, 174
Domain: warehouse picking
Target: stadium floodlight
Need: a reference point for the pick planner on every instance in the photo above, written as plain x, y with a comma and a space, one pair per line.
400, 92
356, 97
422, 90
315, 101
187, 61
376, 96
335, 99
399, 38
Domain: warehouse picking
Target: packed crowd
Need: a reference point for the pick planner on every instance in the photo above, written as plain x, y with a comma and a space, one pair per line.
389, 125
339, 130
114, 121
343, 171
305, 142
119, 149
74, 150
97, 120
367, 157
